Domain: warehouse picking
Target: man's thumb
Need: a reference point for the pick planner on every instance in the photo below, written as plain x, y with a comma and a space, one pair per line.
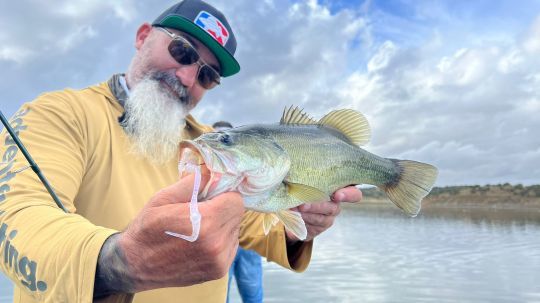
179, 192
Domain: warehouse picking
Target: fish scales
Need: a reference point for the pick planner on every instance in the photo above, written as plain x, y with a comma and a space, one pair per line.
325, 161
301, 160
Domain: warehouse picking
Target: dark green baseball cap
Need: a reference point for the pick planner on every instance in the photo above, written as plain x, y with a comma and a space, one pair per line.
208, 25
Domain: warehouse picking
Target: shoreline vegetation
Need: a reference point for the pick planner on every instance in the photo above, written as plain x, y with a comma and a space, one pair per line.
482, 196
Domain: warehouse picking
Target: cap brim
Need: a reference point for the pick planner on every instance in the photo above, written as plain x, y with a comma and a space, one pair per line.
229, 65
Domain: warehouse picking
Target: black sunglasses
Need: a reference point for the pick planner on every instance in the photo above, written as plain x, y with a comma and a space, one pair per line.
185, 53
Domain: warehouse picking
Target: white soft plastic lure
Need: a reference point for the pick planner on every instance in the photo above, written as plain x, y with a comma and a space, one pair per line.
194, 215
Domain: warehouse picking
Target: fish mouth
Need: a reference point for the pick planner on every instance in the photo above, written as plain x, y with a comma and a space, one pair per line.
192, 153
198, 153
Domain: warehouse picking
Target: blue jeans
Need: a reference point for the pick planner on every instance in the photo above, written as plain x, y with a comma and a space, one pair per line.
247, 271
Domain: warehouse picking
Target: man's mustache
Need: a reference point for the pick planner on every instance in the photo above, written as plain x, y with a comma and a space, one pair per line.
175, 85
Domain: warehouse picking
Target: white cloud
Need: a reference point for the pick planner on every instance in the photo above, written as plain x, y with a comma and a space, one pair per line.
465, 67
531, 42
89, 9
462, 91
511, 61
382, 57
56, 27
14, 53
77, 36
473, 112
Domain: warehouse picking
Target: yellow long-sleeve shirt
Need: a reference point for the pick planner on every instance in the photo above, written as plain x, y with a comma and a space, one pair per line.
76, 139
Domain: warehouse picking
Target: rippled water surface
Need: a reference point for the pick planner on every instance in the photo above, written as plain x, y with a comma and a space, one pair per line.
376, 254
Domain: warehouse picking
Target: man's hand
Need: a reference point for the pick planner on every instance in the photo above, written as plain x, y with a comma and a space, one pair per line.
320, 216
143, 257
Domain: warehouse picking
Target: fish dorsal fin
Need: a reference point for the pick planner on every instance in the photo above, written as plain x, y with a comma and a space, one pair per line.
350, 123
293, 222
295, 115
306, 193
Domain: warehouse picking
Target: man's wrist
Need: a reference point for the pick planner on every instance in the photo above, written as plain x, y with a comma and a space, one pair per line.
294, 248
112, 271
290, 239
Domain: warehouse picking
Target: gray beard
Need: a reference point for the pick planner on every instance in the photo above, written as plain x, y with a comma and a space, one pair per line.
155, 116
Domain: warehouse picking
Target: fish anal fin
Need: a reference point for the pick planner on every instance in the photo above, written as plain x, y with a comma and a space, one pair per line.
306, 193
293, 222
294, 115
269, 220
350, 123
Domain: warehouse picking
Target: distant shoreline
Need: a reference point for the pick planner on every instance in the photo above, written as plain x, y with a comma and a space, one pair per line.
470, 211
459, 205
500, 196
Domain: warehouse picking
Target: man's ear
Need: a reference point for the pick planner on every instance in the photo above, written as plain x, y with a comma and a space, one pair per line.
142, 33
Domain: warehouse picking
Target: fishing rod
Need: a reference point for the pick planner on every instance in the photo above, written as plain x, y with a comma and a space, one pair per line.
33, 164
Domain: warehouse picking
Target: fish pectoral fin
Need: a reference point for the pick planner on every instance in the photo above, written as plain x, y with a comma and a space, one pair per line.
306, 193
293, 222
269, 220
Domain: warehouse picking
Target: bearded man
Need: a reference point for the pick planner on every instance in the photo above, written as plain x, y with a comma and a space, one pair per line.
110, 152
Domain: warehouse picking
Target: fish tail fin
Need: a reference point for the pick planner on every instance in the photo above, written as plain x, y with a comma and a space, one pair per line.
413, 184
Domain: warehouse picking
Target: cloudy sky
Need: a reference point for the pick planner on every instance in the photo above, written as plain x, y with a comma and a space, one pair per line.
452, 83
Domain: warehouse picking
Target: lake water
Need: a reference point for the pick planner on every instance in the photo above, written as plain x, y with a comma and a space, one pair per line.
376, 254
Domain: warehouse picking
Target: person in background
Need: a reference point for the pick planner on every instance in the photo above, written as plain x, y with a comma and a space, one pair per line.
110, 151
221, 125
247, 265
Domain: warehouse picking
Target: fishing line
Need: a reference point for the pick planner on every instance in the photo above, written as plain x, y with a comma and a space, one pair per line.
33, 164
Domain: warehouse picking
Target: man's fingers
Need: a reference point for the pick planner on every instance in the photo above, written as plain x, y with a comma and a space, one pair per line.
323, 208
179, 192
227, 208
234, 248
174, 218
227, 205
349, 194
318, 220
320, 216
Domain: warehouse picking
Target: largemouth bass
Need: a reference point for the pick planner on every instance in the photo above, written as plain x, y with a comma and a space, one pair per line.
302, 160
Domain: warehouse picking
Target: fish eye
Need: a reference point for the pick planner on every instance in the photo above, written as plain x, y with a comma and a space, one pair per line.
225, 139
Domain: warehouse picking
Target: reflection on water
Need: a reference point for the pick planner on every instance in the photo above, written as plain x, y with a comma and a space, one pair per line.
377, 254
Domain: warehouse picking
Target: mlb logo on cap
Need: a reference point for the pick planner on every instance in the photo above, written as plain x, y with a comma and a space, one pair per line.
212, 26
